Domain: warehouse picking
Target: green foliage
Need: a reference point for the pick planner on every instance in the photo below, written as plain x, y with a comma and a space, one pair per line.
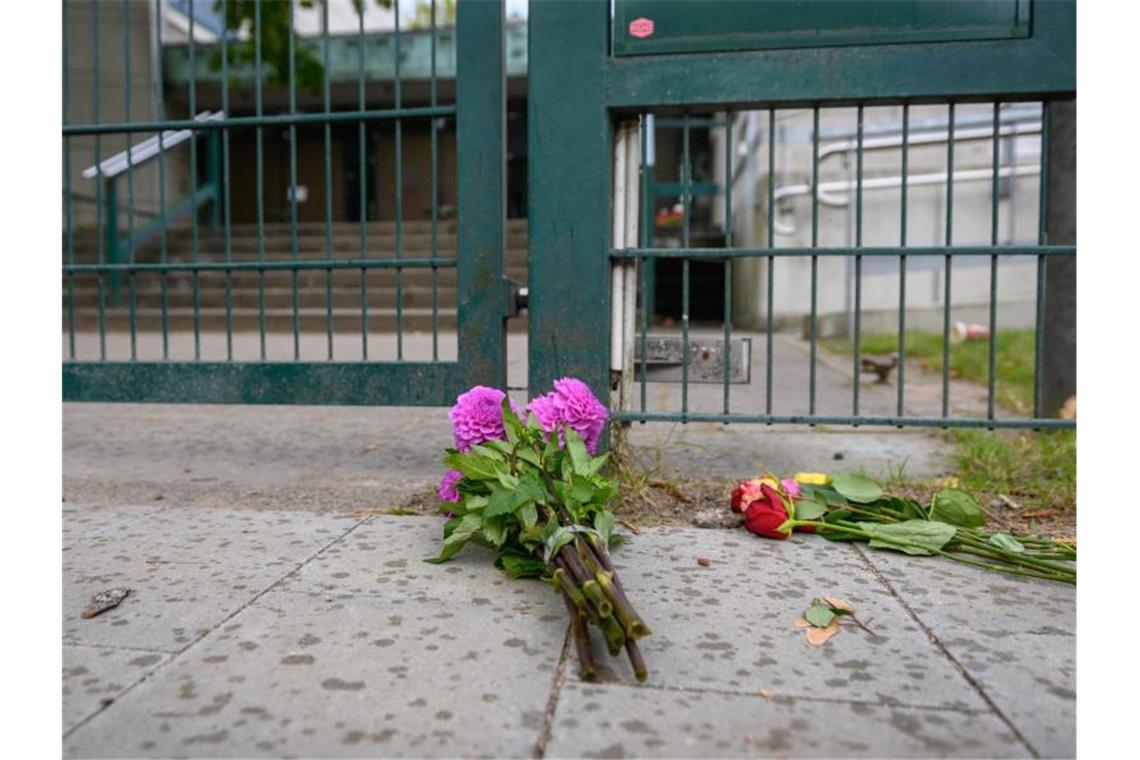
910, 536
957, 508
857, 488
444, 14
526, 497
276, 34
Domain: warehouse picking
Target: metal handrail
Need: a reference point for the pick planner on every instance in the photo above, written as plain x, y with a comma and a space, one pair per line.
147, 149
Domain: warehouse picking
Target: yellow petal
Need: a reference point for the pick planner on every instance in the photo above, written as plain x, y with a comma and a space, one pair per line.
812, 478
770, 482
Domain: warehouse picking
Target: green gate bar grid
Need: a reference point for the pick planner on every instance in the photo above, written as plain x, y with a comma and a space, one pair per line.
483, 294
596, 89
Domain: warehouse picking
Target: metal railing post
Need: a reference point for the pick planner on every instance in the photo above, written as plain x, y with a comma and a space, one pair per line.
110, 213
213, 175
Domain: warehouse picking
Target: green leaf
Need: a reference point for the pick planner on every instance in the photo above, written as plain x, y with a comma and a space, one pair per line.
918, 537
819, 615
604, 523
528, 515
485, 450
1007, 542
957, 508
597, 463
495, 530
581, 489
504, 502
518, 565
809, 510
857, 488
512, 426
531, 485
529, 455
508, 481
576, 447
560, 538
472, 465
458, 537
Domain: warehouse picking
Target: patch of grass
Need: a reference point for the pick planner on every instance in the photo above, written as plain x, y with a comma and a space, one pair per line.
1038, 468
969, 360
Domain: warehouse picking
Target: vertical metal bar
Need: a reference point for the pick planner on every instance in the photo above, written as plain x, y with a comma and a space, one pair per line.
363, 185
195, 277
67, 199
646, 221
814, 259
130, 177
434, 199
902, 258
728, 261
994, 197
1042, 239
399, 193
260, 150
858, 353
949, 242
328, 178
160, 114
99, 222
771, 259
226, 190
686, 203
293, 246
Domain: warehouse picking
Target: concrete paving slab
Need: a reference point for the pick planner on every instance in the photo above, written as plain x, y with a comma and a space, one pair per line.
187, 568
622, 721
1016, 637
385, 556
94, 677
729, 626
304, 675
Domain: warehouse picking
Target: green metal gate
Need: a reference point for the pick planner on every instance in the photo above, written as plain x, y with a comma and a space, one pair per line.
120, 269
598, 69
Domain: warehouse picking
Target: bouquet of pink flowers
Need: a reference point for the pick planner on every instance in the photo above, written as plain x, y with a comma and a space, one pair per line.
535, 493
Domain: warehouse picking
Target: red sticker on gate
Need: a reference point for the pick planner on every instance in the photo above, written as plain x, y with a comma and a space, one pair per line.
641, 27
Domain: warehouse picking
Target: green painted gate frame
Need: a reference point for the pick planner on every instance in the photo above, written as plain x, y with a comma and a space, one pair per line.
577, 89
484, 296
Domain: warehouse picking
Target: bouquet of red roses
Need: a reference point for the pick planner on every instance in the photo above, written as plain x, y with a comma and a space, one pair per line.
855, 508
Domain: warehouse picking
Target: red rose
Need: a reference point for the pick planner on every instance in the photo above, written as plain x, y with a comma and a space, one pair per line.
765, 515
746, 492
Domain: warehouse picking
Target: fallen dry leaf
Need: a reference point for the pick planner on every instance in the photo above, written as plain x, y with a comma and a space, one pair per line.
766, 693
1040, 513
370, 447
817, 637
801, 623
105, 600
632, 527
841, 603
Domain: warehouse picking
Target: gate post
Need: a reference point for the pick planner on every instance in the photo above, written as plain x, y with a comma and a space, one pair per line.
569, 143
1059, 360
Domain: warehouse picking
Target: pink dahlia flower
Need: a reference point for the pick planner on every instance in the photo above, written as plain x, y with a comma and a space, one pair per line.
572, 403
478, 416
447, 489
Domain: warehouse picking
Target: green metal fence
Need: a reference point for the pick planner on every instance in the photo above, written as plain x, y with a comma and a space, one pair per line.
605, 83
114, 261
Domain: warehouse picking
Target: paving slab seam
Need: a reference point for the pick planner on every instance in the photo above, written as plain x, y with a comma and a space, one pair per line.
552, 703
937, 642
787, 697
174, 656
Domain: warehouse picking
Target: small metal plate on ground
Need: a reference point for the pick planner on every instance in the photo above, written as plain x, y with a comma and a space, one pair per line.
706, 360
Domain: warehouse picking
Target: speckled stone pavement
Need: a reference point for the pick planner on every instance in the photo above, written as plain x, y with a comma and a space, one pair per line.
266, 633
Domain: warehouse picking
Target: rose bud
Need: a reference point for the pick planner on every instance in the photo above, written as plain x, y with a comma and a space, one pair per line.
764, 519
748, 491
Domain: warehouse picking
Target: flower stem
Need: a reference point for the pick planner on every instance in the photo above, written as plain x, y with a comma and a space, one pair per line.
587, 671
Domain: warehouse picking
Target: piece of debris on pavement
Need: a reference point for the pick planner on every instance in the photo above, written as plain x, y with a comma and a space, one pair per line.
717, 517
703, 561
105, 600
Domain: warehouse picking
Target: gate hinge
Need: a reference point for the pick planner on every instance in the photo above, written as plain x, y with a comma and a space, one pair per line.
517, 295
